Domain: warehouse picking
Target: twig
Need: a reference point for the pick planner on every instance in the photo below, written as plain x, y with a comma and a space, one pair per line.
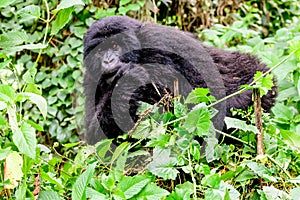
146, 112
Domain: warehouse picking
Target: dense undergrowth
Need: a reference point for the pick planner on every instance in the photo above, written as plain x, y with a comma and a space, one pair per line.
41, 110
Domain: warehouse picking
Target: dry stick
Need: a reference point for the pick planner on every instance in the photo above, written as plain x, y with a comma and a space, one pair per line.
146, 113
258, 122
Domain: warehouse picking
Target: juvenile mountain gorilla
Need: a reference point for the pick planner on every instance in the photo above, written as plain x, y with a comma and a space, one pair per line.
128, 61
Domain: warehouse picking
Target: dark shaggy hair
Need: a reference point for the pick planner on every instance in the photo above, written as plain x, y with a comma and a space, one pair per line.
234, 67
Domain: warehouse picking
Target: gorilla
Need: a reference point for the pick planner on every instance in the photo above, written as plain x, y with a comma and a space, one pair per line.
128, 61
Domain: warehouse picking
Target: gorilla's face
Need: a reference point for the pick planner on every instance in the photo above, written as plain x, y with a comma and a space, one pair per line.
111, 59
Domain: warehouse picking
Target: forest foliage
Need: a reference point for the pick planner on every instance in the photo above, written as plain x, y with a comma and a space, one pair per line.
42, 154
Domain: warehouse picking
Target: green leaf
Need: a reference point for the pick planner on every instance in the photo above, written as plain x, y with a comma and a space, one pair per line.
63, 17
5, 3
261, 171
213, 181
240, 124
28, 46
21, 192
49, 195
282, 113
182, 191
13, 38
50, 177
198, 120
24, 138
79, 188
199, 95
163, 164
95, 195
29, 12
7, 94
67, 4
5, 63
131, 186
38, 100
245, 176
123, 2
13, 169
119, 151
133, 7
151, 192
102, 147
4, 153
273, 193
292, 139
264, 84
108, 181
295, 193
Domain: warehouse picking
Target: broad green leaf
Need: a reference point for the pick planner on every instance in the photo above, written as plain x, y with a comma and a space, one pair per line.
102, 147
108, 181
4, 3
143, 130
4, 153
63, 17
285, 68
38, 100
33, 88
5, 63
133, 7
67, 4
282, 113
295, 193
264, 84
95, 195
119, 151
50, 177
49, 195
273, 193
24, 138
245, 176
2, 105
292, 139
79, 188
28, 46
213, 180
163, 164
240, 124
29, 12
151, 192
13, 170
21, 192
199, 95
198, 120
11, 39
7, 94
123, 2
296, 46
131, 186
261, 171
182, 191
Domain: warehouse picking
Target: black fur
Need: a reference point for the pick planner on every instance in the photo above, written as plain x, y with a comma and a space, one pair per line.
156, 54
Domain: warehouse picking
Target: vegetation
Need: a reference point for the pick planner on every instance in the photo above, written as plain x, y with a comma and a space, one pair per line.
41, 108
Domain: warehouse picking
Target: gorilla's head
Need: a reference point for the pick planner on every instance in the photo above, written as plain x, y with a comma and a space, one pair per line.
108, 27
